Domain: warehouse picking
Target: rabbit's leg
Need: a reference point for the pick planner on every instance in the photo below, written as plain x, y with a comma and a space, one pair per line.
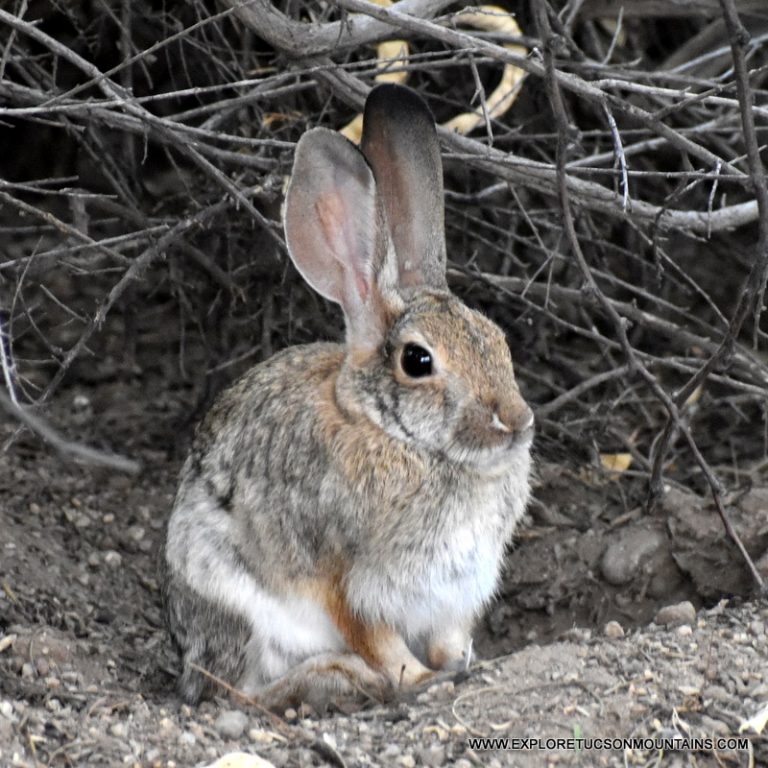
450, 648
378, 644
208, 636
385, 649
379, 664
325, 679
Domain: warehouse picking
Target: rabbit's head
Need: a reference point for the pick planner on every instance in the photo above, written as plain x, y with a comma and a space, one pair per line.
365, 227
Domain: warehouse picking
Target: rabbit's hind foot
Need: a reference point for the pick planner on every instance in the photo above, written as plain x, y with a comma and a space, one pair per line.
324, 681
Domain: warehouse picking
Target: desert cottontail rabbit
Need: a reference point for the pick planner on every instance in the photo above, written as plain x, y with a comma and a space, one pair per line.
342, 517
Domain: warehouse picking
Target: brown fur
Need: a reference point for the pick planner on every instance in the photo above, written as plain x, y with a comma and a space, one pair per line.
377, 644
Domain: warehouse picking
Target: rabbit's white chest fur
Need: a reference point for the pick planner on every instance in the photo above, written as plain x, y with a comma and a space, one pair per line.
458, 571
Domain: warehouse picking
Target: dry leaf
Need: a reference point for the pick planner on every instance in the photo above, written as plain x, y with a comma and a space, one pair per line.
616, 462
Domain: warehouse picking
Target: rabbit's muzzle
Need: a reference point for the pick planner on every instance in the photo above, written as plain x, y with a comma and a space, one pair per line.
492, 436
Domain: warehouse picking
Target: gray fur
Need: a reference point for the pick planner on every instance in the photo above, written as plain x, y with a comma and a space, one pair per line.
326, 471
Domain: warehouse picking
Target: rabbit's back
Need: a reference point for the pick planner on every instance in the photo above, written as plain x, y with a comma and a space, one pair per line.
258, 464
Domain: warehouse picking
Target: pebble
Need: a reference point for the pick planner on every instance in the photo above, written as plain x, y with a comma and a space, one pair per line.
577, 635
113, 559
27, 671
716, 693
136, 532
710, 725
433, 756
407, 761
166, 726
231, 724
118, 730
258, 736
446, 688
757, 628
42, 666
628, 552
676, 615
759, 691
187, 739
6, 709
613, 630
241, 760
685, 630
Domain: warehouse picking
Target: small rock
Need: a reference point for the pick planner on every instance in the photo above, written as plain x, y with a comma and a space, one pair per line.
685, 630
136, 532
6, 709
613, 630
231, 724
390, 751
241, 760
759, 691
187, 739
433, 756
676, 615
407, 761
118, 730
258, 736
166, 726
710, 725
113, 559
290, 714
27, 671
630, 551
42, 666
716, 693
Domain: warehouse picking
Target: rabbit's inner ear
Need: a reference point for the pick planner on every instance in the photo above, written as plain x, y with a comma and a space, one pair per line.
333, 228
400, 142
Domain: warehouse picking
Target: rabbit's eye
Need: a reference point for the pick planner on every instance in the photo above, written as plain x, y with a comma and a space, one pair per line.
416, 361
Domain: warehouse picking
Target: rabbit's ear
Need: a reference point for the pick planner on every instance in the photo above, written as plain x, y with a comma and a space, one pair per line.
400, 142
334, 229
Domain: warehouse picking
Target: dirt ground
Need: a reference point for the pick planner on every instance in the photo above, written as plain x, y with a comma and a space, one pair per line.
571, 649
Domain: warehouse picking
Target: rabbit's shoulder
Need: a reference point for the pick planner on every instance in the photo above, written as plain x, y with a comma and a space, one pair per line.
291, 378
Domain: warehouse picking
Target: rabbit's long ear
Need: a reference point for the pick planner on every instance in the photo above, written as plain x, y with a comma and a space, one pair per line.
334, 229
400, 142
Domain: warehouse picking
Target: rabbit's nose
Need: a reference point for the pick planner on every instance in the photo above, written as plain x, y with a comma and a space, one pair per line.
513, 420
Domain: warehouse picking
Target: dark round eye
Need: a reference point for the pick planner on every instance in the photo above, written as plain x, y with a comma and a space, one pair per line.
416, 361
